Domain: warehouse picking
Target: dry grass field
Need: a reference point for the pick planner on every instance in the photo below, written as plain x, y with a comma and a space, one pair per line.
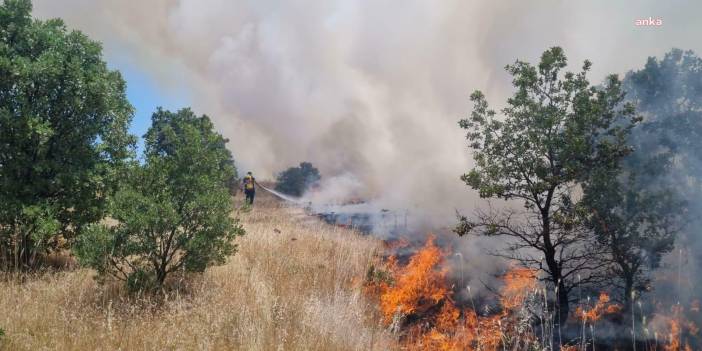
295, 284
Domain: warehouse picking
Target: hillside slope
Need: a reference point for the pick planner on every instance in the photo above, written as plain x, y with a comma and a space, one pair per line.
295, 284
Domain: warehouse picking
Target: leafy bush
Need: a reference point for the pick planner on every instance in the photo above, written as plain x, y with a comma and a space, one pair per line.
296, 180
63, 127
172, 211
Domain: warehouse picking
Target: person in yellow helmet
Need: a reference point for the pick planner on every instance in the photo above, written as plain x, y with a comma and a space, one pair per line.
249, 185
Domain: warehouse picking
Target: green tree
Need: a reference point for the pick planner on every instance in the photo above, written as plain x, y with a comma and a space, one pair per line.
667, 162
296, 180
555, 130
163, 120
635, 224
173, 212
668, 92
64, 123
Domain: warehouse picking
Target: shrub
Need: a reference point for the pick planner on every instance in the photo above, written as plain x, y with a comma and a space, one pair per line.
296, 180
172, 211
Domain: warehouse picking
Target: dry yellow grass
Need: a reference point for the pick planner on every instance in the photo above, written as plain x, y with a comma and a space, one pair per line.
293, 285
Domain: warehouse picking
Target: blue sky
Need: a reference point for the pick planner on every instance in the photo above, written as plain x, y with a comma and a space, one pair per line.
146, 95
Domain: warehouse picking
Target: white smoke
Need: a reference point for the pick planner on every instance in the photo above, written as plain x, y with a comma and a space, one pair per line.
338, 189
365, 90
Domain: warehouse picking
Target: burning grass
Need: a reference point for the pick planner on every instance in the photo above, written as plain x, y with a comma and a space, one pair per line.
292, 286
601, 308
417, 305
679, 330
296, 285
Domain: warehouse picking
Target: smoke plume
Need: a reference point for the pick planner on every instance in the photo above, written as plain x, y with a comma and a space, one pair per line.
365, 90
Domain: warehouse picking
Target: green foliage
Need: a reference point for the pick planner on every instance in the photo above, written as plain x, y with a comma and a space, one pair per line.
669, 94
555, 132
635, 225
165, 122
63, 132
637, 211
296, 180
172, 212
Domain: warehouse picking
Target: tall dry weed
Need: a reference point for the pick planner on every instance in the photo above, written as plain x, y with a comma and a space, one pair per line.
295, 284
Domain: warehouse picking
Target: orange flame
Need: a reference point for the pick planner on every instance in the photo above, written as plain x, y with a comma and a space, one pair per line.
419, 295
681, 330
673, 336
601, 308
416, 299
518, 282
418, 286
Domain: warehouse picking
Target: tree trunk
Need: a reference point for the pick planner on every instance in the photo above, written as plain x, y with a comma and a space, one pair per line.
160, 277
561, 293
554, 267
24, 252
563, 304
162, 271
628, 291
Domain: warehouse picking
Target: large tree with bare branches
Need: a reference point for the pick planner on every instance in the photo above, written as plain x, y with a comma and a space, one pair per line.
554, 132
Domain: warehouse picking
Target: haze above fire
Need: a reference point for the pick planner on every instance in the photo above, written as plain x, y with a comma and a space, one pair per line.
369, 91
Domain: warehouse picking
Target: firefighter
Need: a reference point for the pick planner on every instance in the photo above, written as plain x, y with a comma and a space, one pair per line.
249, 186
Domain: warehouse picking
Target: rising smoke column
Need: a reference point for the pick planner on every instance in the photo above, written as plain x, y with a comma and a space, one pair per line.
369, 90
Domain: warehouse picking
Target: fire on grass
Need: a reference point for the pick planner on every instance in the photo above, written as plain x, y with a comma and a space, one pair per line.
416, 302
